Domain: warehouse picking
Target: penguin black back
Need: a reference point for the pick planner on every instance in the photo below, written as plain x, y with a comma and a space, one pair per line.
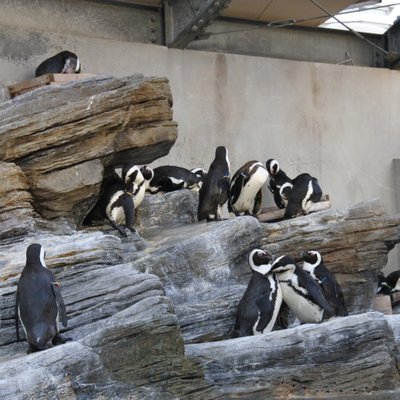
168, 178
314, 265
65, 62
214, 191
38, 302
305, 191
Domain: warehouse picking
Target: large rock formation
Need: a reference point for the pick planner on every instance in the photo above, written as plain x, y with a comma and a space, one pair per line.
150, 315
64, 137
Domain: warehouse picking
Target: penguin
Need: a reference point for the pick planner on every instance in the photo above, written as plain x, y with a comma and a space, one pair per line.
279, 184
65, 62
305, 191
314, 265
169, 178
300, 291
389, 284
39, 303
136, 179
245, 191
259, 307
119, 199
148, 175
214, 192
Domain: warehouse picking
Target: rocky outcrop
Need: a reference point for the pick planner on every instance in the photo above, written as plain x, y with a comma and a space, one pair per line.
65, 138
150, 314
340, 358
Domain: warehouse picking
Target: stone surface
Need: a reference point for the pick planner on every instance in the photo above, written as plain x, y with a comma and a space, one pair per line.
63, 137
343, 357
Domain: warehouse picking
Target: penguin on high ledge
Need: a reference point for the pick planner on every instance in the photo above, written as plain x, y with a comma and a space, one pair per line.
214, 191
39, 303
245, 191
65, 62
279, 184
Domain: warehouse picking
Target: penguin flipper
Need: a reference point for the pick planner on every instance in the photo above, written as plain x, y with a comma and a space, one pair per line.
257, 202
334, 292
266, 311
60, 302
234, 191
315, 293
223, 189
16, 314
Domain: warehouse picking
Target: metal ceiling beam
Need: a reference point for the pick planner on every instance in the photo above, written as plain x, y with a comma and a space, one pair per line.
187, 20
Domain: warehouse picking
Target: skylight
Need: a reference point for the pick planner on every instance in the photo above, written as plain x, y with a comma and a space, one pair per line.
368, 17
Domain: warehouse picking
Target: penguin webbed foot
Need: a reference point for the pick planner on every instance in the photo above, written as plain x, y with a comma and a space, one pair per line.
58, 339
132, 229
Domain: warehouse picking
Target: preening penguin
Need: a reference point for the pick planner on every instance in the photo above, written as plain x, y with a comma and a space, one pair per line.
245, 191
314, 265
279, 184
261, 302
65, 62
39, 302
168, 178
305, 191
215, 188
300, 291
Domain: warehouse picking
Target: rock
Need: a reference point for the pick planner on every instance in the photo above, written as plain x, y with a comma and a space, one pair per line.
346, 356
168, 209
16, 211
63, 137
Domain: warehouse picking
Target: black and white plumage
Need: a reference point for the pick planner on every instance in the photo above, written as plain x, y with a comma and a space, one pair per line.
300, 291
245, 191
304, 192
119, 199
314, 265
39, 302
390, 283
65, 62
199, 172
168, 178
259, 307
279, 184
215, 189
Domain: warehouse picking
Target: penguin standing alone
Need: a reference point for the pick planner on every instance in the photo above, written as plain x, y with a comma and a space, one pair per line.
305, 191
314, 265
300, 291
65, 62
259, 307
279, 184
39, 302
245, 192
215, 188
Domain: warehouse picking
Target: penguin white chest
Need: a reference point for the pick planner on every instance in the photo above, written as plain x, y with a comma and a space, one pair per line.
248, 193
138, 198
297, 299
116, 212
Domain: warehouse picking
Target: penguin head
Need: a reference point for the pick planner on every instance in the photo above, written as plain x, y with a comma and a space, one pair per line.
260, 261
35, 255
285, 190
199, 172
147, 172
383, 285
283, 264
72, 64
133, 176
272, 166
311, 257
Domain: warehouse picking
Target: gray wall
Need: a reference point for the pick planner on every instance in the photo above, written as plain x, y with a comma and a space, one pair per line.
339, 123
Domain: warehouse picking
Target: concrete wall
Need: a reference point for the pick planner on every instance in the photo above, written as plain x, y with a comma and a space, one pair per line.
339, 123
